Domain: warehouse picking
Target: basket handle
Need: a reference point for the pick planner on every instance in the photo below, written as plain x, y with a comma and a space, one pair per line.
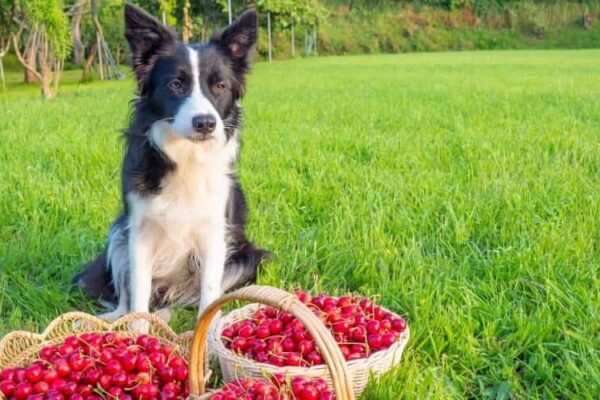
286, 302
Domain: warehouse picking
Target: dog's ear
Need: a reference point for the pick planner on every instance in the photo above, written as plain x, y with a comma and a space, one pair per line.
238, 40
148, 39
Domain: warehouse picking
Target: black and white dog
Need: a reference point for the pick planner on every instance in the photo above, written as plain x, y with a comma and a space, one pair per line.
180, 239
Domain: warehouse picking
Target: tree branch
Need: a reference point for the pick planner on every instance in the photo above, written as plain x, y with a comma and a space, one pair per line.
22, 59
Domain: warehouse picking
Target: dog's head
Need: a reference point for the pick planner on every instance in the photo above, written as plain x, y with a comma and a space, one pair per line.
189, 92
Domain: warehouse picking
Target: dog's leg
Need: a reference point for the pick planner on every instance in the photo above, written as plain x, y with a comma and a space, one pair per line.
140, 278
118, 259
213, 254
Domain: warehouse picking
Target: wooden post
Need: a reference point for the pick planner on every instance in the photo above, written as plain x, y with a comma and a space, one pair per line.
293, 42
269, 33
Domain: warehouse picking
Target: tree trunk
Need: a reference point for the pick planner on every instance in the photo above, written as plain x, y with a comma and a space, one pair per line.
2, 74
76, 35
186, 32
46, 91
88, 63
293, 42
30, 58
269, 32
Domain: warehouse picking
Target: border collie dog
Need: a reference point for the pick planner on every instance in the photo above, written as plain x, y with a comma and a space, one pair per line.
180, 239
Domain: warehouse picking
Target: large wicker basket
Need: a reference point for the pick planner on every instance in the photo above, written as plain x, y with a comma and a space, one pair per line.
348, 379
21, 348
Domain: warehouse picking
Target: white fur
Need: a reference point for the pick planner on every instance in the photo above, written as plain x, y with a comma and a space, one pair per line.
188, 216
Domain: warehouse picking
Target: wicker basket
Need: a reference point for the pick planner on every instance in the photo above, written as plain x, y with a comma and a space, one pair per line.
334, 360
348, 379
21, 348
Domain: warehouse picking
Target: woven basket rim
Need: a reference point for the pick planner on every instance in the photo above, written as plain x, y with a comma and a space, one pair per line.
53, 333
219, 348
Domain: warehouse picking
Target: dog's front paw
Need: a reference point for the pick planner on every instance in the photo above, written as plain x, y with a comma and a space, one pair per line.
140, 325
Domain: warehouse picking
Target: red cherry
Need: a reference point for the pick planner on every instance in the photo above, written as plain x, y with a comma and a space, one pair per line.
314, 358
157, 359
47, 352
92, 377
49, 375
76, 362
19, 375
34, 373
309, 393
388, 339
23, 391
358, 334
41, 387
373, 327
180, 373
293, 359
76, 396
128, 362
8, 388
166, 374
375, 341
116, 392
275, 326
143, 363
119, 379
65, 349
305, 347
85, 390
112, 367
288, 345
54, 395
153, 346
228, 333
69, 388
344, 301
105, 382
7, 374
327, 396
304, 297
399, 325
62, 368
176, 362
142, 340
172, 386
246, 331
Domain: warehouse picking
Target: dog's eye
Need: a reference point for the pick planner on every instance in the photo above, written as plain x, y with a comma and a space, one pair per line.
176, 85
219, 87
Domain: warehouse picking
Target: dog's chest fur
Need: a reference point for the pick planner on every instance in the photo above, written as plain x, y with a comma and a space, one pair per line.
189, 208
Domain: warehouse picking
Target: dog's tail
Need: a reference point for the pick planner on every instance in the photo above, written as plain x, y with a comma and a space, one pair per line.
241, 268
95, 280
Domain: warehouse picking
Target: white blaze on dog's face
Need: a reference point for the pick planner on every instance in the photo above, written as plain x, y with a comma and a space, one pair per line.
189, 93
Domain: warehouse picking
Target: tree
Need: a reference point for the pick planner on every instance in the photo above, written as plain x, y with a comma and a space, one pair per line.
48, 40
8, 10
290, 13
77, 12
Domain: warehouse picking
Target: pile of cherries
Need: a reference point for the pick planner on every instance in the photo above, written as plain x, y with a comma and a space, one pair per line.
278, 388
96, 366
358, 325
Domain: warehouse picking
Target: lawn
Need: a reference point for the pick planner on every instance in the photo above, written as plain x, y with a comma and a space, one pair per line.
461, 188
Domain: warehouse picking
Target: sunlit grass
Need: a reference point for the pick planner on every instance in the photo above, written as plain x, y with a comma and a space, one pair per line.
463, 188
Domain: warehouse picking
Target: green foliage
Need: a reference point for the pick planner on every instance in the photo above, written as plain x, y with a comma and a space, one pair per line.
50, 17
287, 12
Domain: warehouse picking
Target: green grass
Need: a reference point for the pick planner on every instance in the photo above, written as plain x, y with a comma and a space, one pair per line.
463, 188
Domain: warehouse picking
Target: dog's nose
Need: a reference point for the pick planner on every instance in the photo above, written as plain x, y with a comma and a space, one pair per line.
204, 123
